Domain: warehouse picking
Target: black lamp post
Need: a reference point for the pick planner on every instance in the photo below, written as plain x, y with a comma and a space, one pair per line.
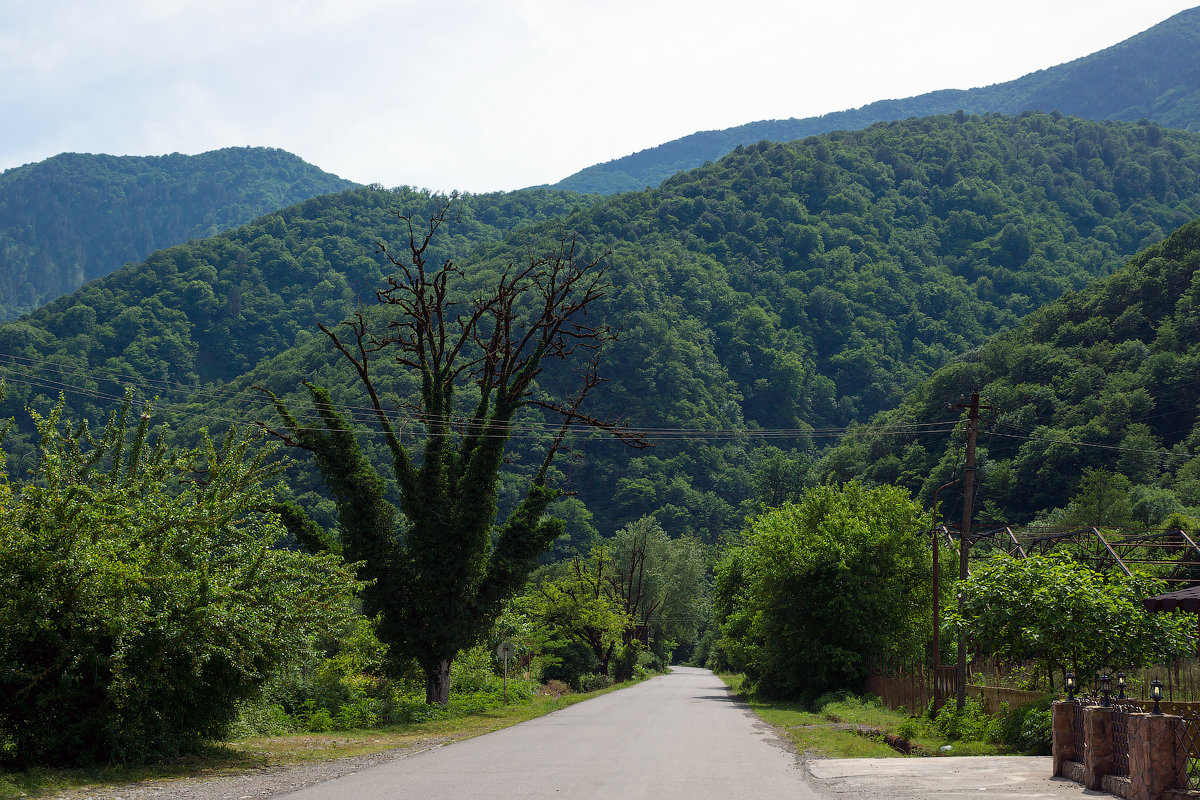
1156, 695
1071, 686
1105, 684
1120, 685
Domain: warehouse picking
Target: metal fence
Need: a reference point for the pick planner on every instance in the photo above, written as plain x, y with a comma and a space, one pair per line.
1189, 734
1122, 708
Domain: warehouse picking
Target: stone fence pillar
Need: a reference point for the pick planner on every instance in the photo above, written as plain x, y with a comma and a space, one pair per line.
1097, 746
1062, 715
1157, 756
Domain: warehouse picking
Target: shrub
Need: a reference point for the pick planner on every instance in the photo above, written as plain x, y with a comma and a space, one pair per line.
969, 725
142, 606
908, 730
261, 719
593, 682
362, 713
1037, 732
1027, 728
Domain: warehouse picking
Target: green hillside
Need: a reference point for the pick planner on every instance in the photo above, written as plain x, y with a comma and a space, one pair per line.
1154, 75
75, 217
787, 287
1097, 389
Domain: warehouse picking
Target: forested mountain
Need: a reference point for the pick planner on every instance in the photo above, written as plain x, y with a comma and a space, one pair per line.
76, 217
1154, 75
786, 287
1095, 393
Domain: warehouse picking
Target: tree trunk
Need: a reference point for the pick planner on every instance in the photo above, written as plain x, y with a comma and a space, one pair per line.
437, 683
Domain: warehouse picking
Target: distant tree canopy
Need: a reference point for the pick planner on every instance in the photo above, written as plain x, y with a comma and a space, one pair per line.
75, 217
786, 287
1096, 420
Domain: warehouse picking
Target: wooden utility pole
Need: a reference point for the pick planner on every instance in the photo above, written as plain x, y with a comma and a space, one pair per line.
964, 544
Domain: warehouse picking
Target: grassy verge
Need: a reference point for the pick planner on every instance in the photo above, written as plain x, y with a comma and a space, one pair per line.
854, 729
245, 755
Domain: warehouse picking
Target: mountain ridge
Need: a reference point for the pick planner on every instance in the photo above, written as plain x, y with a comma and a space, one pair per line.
79, 216
1096, 86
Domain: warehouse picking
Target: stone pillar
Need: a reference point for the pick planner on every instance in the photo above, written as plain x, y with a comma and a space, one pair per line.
1097, 746
1157, 757
1062, 715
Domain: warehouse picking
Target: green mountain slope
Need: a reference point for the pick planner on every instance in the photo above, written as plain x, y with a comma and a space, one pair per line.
73, 218
788, 286
1154, 75
1103, 379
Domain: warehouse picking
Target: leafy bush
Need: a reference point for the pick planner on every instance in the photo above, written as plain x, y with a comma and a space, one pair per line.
593, 682
142, 606
261, 719
1037, 733
1027, 728
315, 719
362, 713
972, 724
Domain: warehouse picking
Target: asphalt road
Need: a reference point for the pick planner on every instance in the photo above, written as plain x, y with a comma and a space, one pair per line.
673, 737
676, 737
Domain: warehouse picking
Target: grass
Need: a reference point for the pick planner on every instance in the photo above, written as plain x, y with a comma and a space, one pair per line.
853, 729
246, 755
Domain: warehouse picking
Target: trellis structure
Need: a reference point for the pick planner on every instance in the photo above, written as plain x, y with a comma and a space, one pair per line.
1175, 550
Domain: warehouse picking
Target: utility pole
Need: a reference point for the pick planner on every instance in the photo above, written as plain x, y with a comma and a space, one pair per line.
964, 544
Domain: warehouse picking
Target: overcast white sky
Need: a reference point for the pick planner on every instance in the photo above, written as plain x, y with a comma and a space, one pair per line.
495, 94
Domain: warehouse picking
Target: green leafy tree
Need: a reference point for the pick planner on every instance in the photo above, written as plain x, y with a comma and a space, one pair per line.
442, 565
822, 586
142, 594
580, 606
660, 584
1066, 616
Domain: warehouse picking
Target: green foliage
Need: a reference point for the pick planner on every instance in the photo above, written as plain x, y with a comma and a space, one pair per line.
1066, 616
971, 724
143, 595
1092, 404
789, 286
77, 217
580, 607
821, 586
593, 683
443, 560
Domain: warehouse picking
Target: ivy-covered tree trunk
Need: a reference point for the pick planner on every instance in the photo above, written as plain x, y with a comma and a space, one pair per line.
441, 572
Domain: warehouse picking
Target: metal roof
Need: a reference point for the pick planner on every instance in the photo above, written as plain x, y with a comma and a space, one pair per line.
1180, 600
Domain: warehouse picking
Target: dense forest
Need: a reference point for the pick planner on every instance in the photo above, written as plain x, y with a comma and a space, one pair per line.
1093, 396
1154, 75
76, 217
768, 299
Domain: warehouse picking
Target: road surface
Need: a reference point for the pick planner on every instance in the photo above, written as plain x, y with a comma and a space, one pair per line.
672, 737
677, 737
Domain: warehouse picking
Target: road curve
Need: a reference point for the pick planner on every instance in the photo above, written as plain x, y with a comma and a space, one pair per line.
675, 736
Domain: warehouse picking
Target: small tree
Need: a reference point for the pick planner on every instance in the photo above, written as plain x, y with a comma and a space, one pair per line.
142, 595
580, 606
822, 586
1066, 616
441, 573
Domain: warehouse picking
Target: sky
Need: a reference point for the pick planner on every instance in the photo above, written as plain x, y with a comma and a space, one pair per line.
484, 95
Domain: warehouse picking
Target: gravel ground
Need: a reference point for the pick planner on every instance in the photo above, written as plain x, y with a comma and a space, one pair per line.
267, 782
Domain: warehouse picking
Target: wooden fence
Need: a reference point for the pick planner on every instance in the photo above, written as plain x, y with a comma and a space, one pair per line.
913, 691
